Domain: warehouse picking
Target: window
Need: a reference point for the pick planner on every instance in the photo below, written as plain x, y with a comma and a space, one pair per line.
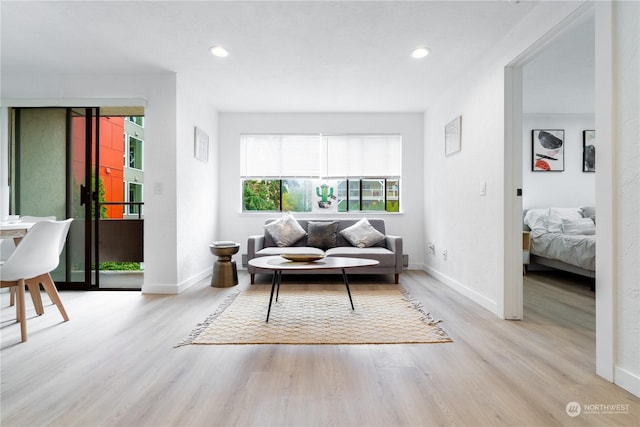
135, 195
135, 153
321, 173
139, 120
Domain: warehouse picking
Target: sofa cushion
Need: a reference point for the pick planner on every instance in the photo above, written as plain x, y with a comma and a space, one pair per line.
285, 231
362, 234
321, 234
385, 257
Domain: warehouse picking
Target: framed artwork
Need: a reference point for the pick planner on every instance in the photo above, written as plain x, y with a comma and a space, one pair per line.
201, 145
588, 151
453, 136
547, 150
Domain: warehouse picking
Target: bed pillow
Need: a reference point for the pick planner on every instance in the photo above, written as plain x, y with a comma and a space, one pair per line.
583, 226
589, 212
285, 231
322, 235
362, 234
556, 215
536, 220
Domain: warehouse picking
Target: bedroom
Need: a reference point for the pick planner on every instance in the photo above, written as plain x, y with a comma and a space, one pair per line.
558, 186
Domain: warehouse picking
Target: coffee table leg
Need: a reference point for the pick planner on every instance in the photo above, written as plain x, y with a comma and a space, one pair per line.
273, 286
346, 282
278, 284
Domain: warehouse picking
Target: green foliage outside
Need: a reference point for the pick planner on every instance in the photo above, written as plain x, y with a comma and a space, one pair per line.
120, 266
261, 195
295, 196
101, 197
78, 210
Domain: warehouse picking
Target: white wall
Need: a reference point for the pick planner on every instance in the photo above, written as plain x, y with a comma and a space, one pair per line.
158, 92
197, 198
457, 218
237, 226
627, 178
571, 188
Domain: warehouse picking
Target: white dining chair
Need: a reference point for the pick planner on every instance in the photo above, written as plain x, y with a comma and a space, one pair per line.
31, 262
7, 246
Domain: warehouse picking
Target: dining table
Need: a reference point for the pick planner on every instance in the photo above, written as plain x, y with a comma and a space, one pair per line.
15, 230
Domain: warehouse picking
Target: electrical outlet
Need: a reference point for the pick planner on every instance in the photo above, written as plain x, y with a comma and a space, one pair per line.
432, 248
444, 254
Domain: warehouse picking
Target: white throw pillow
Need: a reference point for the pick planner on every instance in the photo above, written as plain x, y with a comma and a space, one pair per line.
556, 215
286, 230
362, 234
583, 226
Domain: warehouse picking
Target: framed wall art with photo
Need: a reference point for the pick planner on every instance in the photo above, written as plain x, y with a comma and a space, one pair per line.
547, 150
201, 145
588, 151
453, 136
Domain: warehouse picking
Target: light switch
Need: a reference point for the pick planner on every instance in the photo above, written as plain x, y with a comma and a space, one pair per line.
157, 188
483, 188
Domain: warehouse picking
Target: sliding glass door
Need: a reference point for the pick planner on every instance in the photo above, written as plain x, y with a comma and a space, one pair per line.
73, 163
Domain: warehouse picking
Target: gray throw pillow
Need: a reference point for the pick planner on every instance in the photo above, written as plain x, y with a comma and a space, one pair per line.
323, 235
362, 234
285, 231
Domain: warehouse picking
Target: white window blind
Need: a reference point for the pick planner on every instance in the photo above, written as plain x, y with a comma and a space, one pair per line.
334, 156
275, 156
364, 155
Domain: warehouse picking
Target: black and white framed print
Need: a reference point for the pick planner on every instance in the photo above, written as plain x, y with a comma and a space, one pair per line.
547, 150
588, 151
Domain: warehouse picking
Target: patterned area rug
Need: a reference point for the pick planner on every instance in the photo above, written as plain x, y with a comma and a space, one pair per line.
304, 315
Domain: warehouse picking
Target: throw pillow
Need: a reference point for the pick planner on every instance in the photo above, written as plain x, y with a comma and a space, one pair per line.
556, 215
323, 235
285, 231
362, 234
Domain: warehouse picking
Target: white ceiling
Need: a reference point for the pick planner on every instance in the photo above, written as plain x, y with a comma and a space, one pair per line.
292, 56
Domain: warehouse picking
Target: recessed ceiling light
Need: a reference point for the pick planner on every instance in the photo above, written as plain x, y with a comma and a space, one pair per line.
219, 51
420, 52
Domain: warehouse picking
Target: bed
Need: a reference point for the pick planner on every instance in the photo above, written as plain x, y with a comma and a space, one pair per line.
563, 238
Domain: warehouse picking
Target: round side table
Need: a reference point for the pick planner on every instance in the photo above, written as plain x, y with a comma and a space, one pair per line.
225, 273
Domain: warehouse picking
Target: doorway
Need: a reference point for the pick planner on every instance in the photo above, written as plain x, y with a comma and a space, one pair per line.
84, 163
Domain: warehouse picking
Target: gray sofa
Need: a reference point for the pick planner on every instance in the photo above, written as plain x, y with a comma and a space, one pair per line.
388, 251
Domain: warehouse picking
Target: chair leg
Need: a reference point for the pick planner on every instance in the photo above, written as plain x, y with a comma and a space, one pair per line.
21, 314
36, 297
50, 287
34, 290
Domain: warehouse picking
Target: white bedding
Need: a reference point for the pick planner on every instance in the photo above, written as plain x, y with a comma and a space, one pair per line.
574, 249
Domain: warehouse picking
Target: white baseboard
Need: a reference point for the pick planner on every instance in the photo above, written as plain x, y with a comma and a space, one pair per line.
627, 380
179, 288
464, 290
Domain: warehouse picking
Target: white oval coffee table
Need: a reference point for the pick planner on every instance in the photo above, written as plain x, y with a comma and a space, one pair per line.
278, 264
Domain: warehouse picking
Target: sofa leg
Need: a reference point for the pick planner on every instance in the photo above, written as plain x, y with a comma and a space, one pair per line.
253, 279
397, 278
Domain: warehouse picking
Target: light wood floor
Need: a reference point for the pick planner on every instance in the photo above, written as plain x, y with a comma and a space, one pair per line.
113, 364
